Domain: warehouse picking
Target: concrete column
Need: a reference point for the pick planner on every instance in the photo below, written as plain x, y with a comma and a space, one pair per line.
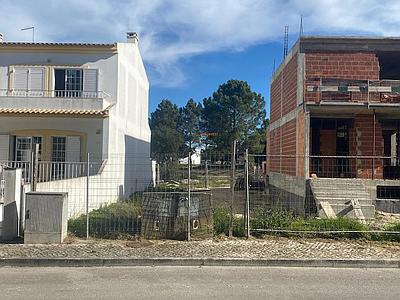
307, 144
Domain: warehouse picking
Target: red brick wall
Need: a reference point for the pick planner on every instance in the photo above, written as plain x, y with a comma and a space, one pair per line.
286, 163
300, 143
289, 90
344, 65
356, 66
362, 142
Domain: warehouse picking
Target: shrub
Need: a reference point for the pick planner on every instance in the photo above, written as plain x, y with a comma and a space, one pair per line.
109, 221
390, 234
337, 224
221, 218
274, 218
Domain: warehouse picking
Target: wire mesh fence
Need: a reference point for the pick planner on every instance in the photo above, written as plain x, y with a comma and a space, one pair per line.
241, 194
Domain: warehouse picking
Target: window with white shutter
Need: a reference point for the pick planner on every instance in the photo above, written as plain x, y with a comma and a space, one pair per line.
28, 81
36, 81
90, 83
4, 147
20, 86
73, 149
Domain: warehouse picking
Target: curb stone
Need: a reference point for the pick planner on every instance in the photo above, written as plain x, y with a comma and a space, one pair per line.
197, 262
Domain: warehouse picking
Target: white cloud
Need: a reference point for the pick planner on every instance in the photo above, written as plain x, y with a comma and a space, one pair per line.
172, 30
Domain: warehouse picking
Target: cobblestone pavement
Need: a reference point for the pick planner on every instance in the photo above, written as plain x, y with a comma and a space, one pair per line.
271, 248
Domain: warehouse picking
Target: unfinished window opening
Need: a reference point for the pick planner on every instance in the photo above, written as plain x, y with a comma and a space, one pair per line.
389, 63
329, 146
387, 192
391, 148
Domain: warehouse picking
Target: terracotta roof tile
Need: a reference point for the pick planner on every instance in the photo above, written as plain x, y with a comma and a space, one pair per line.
103, 113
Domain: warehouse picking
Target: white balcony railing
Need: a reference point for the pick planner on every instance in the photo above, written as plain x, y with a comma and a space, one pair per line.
52, 171
53, 94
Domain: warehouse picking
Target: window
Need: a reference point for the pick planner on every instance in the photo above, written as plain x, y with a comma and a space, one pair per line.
58, 148
28, 81
24, 146
68, 82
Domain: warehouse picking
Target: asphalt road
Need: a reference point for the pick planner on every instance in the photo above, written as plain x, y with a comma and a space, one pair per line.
198, 283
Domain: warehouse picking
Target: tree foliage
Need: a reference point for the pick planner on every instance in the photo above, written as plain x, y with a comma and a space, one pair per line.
189, 125
166, 139
234, 112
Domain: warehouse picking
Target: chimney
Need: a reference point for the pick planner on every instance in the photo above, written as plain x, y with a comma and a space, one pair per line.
1, 37
132, 37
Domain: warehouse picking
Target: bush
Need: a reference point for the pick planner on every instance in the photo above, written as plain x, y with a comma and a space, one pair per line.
274, 218
279, 219
110, 221
221, 217
390, 233
338, 224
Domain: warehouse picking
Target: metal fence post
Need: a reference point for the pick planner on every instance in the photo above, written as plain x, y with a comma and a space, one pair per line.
34, 167
188, 219
233, 182
206, 173
87, 195
247, 212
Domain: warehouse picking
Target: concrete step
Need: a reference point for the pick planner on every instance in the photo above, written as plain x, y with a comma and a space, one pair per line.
344, 210
337, 186
345, 196
342, 200
341, 191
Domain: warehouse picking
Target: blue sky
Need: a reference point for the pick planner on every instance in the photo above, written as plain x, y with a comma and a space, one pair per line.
191, 46
205, 72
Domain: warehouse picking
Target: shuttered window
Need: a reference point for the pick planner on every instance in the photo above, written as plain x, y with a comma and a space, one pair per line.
20, 79
4, 147
90, 83
73, 149
28, 80
36, 79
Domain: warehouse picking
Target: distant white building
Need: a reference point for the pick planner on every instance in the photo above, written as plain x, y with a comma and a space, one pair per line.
74, 98
195, 157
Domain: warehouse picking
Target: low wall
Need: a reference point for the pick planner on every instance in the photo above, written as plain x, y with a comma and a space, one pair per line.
385, 205
288, 192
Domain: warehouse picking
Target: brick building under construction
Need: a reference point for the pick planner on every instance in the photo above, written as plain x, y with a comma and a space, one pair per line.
333, 141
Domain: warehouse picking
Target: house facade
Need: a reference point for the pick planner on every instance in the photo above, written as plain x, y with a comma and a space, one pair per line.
334, 127
73, 99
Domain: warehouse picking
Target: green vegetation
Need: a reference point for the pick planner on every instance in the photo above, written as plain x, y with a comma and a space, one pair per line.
221, 217
280, 222
232, 112
122, 219
109, 221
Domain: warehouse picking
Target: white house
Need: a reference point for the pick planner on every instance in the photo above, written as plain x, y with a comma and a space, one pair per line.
195, 158
74, 98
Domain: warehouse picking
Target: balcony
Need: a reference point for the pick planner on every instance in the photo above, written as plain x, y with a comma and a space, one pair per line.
54, 100
352, 91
